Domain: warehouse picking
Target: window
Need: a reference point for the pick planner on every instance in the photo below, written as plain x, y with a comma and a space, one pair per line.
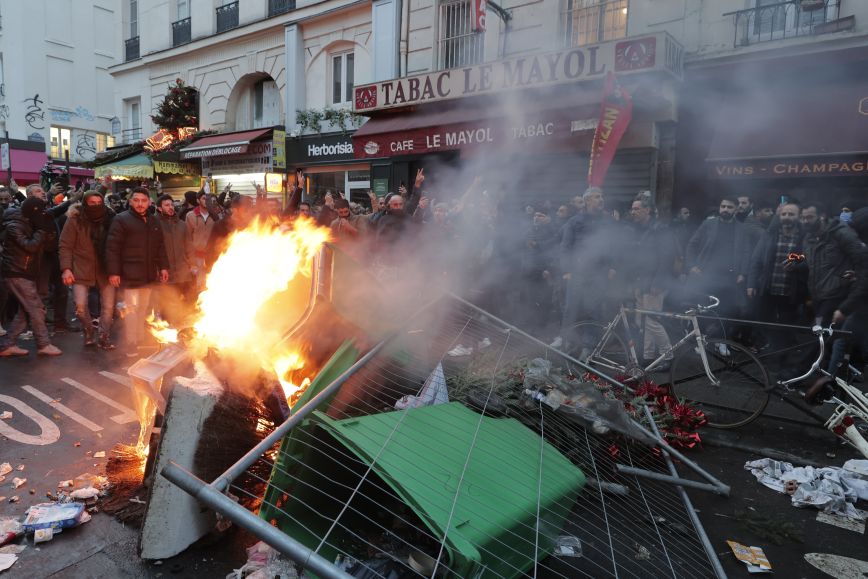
460, 45
60, 139
183, 9
591, 21
343, 75
103, 142
266, 104
134, 18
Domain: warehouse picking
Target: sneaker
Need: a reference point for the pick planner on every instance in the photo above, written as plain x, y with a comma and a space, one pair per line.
28, 335
49, 350
13, 351
557, 343
105, 343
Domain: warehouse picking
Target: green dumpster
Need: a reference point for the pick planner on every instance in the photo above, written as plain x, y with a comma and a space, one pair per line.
476, 483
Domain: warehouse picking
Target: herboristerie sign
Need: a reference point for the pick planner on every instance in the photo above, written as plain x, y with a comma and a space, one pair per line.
642, 54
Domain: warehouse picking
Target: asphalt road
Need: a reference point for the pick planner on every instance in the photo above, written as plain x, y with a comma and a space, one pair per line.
67, 408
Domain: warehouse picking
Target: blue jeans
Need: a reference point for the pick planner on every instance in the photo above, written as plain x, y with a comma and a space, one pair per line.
846, 344
30, 307
107, 306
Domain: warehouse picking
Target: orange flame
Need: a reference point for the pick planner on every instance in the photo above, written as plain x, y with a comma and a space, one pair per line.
161, 330
286, 368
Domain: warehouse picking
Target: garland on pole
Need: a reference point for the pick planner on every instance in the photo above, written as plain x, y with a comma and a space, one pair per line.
179, 108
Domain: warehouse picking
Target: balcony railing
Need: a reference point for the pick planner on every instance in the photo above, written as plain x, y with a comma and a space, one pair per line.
131, 48
276, 7
784, 20
227, 17
131, 136
181, 32
588, 24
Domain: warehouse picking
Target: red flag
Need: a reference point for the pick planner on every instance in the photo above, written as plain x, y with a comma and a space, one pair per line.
479, 7
616, 110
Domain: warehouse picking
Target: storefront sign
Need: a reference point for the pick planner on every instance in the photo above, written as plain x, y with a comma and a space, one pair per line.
176, 168
648, 53
843, 166
320, 149
257, 158
279, 148
490, 132
274, 182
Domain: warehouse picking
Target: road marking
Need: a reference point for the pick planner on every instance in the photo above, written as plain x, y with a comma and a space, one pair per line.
62, 408
49, 432
127, 414
124, 380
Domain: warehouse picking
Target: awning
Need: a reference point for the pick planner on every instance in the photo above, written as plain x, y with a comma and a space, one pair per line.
224, 144
135, 167
757, 124
26, 165
422, 132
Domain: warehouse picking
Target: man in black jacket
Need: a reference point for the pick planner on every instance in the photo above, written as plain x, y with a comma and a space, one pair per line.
717, 258
26, 230
135, 260
773, 279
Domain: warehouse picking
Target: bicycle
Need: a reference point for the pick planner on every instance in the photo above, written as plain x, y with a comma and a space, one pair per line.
704, 372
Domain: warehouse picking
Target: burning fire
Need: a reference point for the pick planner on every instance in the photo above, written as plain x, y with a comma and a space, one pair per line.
161, 330
242, 310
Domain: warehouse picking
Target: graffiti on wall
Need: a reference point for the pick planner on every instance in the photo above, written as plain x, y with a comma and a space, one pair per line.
85, 145
35, 115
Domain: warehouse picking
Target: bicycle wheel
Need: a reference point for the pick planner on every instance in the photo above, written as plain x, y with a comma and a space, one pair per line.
742, 394
611, 354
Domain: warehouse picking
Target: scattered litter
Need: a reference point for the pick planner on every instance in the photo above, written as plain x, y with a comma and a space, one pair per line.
19, 468
84, 494
832, 489
10, 529
84, 517
568, 546
12, 549
77, 444
753, 557
43, 535
7, 560
17, 482
53, 516
14, 499
847, 523
642, 553
138, 501
434, 391
830, 454
459, 351
32, 491
5, 468
263, 562
90, 480
100, 454
837, 566
64, 484
6, 416
484, 344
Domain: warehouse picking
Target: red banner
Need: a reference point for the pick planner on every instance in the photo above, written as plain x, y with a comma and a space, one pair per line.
616, 110
479, 7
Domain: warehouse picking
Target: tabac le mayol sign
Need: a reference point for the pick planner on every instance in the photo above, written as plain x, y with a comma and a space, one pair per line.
659, 52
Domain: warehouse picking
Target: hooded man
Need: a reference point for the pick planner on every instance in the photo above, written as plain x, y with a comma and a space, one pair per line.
82, 264
26, 230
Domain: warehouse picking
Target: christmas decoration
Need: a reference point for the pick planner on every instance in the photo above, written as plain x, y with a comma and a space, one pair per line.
179, 108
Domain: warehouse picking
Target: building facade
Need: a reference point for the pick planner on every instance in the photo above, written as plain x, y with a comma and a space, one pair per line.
55, 88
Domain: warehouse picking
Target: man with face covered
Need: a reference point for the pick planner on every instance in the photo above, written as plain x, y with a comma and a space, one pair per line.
774, 280
82, 264
717, 258
26, 230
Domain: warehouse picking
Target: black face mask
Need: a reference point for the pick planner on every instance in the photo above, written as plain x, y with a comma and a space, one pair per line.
397, 212
94, 212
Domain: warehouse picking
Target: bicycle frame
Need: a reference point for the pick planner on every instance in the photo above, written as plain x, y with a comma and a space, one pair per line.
621, 318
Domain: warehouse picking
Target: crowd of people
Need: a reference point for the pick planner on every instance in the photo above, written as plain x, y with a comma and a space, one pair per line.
542, 267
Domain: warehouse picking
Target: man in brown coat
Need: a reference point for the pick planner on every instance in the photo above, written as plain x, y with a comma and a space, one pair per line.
200, 223
175, 298
82, 264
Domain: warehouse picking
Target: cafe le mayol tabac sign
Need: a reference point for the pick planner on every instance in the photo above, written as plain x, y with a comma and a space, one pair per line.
658, 52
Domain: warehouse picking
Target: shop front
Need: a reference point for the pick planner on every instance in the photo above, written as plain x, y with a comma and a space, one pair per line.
138, 168
329, 165
775, 136
524, 125
28, 158
243, 160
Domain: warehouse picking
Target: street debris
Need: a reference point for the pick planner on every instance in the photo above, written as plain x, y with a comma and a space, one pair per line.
77, 444
17, 482
19, 468
84, 494
100, 454
434, 391
55, 516
5, 469
10, 529
6, 415
832, 489
7, 560
14, 499
753, 557
568, 546
64, 484
43, 535
263, 562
